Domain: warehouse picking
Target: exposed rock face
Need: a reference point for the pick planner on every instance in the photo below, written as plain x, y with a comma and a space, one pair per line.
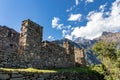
32, 52
109, 37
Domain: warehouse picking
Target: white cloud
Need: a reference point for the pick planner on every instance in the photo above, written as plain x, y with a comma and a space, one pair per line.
89, 1
68, 36
60, 26
71, 8
75, 17
51, 38
76, 2
55, 23
97, 23
102, 7
64, 32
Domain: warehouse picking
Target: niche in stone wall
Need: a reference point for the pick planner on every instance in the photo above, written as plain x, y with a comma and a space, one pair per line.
11, 45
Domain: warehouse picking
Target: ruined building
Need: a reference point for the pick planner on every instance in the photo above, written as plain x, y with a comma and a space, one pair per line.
30, 37
26, 49
8, 39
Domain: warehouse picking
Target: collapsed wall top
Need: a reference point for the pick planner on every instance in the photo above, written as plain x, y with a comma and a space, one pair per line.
30, 37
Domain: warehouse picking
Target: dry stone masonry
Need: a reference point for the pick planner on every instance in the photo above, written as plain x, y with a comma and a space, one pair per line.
8, 39
28, 50
30, 37
46, 76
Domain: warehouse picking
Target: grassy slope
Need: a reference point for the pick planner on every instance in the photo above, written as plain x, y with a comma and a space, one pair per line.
75, 69
85, 71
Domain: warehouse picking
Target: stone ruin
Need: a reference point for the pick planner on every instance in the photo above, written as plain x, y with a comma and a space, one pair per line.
26, 49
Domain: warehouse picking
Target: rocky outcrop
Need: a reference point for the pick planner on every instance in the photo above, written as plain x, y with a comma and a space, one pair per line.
109, 37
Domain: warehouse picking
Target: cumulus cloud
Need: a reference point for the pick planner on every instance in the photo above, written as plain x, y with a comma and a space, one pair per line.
76, 2
75, 17
51, 38
71, 8
69, 37
98, 23
102, 7
89, 1
67, 30
64, 32
55, 23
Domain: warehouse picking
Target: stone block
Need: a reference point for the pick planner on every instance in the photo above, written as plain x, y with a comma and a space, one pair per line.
17, 78
4, 76
40, 79
16, 75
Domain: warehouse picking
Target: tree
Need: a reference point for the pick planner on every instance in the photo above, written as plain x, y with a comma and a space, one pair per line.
110, 57
105, 49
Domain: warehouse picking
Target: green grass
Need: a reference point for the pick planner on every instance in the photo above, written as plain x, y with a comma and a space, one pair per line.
75, 69
88, 71
33, 70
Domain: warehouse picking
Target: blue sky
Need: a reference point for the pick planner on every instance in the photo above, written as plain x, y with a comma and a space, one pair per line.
63, 18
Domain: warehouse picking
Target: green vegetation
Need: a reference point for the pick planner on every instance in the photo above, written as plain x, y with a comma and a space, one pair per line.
108, 70
104, 49
75, 69
33, 70
85, 71
110, 57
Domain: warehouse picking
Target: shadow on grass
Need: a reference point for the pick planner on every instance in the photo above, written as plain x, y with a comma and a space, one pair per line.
84, 73
76, 73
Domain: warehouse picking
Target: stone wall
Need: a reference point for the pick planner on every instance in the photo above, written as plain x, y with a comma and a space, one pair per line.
8, 39
30, 37
9, 59
69, 49
29, 50
46, 76
51, 56
79, 57
43, 55
56, 56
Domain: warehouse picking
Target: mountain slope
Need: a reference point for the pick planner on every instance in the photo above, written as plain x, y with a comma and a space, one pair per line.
109, 37
87, 45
